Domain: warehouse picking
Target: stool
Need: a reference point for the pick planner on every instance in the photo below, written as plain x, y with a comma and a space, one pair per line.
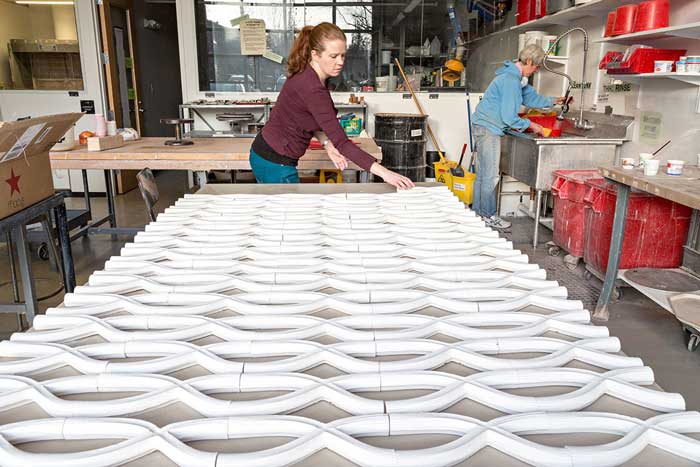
177, 123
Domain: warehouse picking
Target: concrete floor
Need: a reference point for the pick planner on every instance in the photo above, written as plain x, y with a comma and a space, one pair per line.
645, 329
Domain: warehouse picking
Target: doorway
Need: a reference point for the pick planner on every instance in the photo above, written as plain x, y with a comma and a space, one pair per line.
143, 67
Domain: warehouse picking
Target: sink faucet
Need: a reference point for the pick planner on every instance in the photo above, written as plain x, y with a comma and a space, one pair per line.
580, 122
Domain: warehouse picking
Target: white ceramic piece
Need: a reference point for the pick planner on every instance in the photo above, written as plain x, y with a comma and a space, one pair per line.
298, 356
156, 391
669, 432
348, 328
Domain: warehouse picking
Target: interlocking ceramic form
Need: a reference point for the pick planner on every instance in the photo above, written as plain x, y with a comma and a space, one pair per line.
393, 294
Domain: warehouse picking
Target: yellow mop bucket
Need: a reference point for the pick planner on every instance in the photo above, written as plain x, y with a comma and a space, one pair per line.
463, 187
459, 181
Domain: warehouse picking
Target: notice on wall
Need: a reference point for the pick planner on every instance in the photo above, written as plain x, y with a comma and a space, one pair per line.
650, 127
253, 37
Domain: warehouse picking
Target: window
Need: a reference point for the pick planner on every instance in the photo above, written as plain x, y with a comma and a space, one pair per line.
39, 47
417, 32
223, 68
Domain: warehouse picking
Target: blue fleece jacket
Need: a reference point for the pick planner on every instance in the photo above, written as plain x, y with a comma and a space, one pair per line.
498, 109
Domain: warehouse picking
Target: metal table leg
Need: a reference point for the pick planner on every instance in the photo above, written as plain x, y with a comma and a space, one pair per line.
66, 251
618, 234
110, 198
13, 269
201, 178
538, 207
364, 176
31, 305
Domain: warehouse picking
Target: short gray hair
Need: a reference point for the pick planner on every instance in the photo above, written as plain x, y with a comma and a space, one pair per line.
532, 52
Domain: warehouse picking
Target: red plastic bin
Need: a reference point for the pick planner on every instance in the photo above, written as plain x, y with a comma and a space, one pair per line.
653, 14
569, 189
530, 9
655, 229
642, 61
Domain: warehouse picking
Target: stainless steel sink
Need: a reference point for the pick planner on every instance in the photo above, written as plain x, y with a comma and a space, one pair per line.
532, 160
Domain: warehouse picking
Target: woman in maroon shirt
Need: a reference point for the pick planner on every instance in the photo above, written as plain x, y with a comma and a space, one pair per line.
304, 109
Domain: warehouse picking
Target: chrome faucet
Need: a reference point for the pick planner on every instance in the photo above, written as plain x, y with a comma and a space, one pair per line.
580, 122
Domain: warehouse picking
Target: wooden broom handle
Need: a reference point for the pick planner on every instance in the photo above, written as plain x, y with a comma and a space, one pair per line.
420, 108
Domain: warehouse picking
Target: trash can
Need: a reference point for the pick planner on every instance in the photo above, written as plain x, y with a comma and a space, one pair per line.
569, 189
655, 229
402, 138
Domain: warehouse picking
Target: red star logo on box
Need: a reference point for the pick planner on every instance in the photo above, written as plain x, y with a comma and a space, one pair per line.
13, 181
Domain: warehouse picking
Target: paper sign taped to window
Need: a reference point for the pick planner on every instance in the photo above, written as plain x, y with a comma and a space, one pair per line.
236, 21
270, 55
253, 37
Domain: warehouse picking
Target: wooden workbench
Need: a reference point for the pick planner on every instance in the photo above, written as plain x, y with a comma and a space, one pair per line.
204, 154
683, 189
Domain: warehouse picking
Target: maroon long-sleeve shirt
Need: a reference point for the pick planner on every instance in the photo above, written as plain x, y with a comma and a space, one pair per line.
303, 107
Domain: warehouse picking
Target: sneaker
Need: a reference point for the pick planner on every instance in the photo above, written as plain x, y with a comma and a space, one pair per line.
496, 222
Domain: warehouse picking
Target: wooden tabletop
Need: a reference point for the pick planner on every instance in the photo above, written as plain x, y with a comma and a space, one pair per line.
683, 189
204, 154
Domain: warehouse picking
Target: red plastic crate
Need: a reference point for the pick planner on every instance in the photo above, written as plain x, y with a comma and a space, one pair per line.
655, 229
642, 61
569, 190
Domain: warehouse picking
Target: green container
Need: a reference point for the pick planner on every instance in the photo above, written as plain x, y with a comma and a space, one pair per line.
352, 126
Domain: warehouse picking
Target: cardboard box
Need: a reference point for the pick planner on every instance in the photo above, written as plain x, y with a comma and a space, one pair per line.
25, 168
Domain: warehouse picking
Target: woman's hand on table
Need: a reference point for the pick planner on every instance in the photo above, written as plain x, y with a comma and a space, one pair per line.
392, 178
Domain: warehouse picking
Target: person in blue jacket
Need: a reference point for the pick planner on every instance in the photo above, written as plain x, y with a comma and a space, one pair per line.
497, 112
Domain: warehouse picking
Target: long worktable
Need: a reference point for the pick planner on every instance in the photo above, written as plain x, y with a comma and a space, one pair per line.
205, 154
684, 189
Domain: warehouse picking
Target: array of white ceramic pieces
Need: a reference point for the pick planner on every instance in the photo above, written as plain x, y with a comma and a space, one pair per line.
391, 291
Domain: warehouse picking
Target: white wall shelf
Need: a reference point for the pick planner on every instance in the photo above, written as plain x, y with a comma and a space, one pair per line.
595, 8
686, 31
690, 78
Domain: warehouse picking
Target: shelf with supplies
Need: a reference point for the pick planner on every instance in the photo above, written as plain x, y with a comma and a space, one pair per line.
690, 78
683, 31
594, 8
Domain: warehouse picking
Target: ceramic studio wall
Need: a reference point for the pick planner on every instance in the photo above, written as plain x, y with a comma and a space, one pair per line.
676, 103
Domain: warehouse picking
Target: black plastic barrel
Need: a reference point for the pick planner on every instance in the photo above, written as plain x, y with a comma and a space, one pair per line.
430, 158
402, 139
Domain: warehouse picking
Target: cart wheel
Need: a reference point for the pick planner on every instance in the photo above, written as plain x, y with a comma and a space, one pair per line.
617, 293
43, 251
571, 262
693, 341
587, 275
554, 251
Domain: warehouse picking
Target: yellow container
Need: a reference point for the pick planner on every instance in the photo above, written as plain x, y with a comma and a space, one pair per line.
462, 187
330, 176
442, 171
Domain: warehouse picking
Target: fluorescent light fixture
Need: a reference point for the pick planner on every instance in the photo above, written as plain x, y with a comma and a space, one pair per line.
48, 2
